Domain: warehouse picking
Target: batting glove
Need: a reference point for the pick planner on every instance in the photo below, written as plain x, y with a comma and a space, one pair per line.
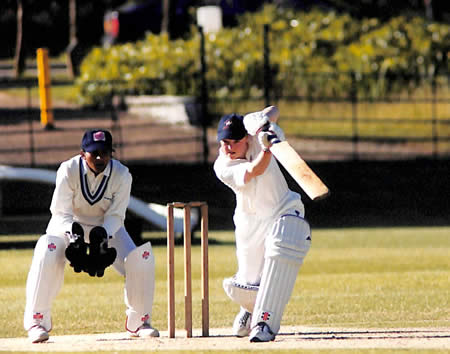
267, 139
253, 122
275, 129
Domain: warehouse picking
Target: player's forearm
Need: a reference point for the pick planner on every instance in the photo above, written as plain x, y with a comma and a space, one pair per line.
59, 224
115, 215
258, 166
112, 223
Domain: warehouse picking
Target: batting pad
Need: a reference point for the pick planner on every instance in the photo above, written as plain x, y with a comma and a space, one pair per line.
44, 281
139, 286
285, 250
244, 295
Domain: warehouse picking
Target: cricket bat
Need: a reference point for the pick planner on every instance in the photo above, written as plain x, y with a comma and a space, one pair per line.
299, 170
294, 164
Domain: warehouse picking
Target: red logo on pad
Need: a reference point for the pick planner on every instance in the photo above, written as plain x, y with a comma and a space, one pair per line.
265, 316
38, 316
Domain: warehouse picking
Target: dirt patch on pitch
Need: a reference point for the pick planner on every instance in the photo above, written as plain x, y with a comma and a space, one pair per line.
221, 339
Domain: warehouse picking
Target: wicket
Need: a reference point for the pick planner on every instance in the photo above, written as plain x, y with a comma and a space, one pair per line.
187, 267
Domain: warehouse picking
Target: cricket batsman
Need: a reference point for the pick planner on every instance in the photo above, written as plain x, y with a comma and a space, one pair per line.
87, 228
272, 235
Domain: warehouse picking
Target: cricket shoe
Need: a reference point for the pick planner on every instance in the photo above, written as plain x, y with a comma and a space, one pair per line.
241, 325
145, 331
261, 333
37, 334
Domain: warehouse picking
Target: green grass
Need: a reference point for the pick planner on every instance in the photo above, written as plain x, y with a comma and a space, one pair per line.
404, 120
361, 278
60, 95
395, 119
312, 351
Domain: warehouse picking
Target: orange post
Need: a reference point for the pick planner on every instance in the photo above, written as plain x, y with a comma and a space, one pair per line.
44, 88
205, 271
187, 272
171, 271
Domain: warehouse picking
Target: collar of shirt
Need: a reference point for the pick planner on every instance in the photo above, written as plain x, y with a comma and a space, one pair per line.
94, 181
90, 174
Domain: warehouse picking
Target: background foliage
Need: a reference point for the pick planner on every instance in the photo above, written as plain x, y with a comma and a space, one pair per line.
384, 56
46, 22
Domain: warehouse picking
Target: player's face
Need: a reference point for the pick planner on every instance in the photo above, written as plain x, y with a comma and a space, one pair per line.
234, 149
97, 160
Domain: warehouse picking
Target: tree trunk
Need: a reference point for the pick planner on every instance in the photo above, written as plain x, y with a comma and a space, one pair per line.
428, 9
165, 18
72, 63
19, 56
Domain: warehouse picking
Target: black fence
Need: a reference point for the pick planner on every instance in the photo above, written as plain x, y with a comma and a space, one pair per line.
25, 141
348, 125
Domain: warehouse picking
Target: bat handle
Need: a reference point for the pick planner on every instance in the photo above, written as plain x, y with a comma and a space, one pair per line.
274, 139
265, 127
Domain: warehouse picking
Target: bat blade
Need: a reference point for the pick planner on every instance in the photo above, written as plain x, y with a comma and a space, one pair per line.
299, 170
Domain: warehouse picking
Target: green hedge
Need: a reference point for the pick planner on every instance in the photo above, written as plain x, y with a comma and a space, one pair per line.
301, 46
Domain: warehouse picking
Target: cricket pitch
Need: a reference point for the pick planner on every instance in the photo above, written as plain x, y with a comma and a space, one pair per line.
221, 339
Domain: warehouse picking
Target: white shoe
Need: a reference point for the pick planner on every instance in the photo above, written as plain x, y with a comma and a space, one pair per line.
37, 334
241, 325
261, 333
145, 331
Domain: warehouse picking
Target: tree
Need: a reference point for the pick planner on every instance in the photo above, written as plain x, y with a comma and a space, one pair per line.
19, 56
165, 16
428, 9
72, 65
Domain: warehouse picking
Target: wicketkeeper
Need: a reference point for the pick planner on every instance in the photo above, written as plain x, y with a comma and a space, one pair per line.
272, 236
87, 228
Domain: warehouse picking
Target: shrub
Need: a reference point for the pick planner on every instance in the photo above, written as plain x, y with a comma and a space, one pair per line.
307, 53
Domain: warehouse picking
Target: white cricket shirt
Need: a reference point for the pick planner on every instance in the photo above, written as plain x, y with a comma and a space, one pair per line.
81, 196
262, 197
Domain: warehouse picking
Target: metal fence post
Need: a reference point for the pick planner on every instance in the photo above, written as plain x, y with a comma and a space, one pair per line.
204, 96
267, 73
354, 101
115, 123
30, 125
434, 128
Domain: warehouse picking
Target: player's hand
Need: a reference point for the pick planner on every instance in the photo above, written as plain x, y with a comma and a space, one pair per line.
71, 236
275, 129
76, 252
267, 139
100, 255
253, 122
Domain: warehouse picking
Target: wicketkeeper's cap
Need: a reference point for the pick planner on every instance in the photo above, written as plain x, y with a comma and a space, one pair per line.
96, 140
232, 127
